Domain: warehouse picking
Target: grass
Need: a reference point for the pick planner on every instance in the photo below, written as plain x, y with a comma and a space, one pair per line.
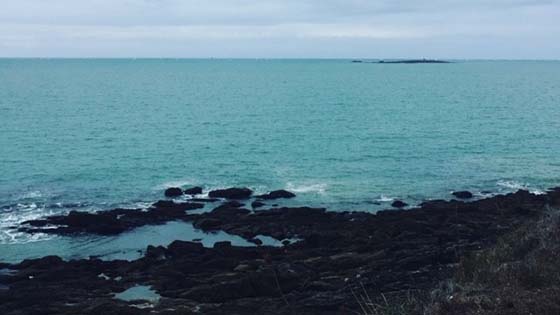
410, 304
519, 275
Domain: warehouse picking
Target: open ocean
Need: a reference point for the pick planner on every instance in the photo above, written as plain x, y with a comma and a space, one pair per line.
99, 133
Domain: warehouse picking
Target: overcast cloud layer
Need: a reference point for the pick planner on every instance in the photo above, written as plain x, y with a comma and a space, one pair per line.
497, 29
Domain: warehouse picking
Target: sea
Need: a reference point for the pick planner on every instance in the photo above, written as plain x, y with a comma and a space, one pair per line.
94, 134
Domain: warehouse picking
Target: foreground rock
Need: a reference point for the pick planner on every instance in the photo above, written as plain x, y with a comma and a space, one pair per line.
339, 254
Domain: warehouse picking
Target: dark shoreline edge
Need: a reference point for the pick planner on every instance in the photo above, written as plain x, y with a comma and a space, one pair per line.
339, 254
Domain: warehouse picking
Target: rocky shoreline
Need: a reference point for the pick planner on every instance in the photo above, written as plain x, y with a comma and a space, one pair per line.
327, 256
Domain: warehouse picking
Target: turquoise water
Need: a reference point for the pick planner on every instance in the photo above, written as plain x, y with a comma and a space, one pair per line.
93, 134
138, 292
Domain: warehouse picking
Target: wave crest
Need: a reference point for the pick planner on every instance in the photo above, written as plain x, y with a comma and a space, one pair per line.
513, 185
14, 217
319, 188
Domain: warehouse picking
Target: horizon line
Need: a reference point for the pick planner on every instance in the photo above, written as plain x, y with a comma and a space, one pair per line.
277, 58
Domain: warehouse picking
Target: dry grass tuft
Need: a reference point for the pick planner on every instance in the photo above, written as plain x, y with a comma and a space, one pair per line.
407, 303
519, 275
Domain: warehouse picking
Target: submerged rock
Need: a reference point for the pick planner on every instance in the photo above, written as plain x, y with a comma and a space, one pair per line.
277, 194
463, 194
173, 192
231, 193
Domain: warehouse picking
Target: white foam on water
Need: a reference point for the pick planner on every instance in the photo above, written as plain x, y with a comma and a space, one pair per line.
511, 184
175, 183
384, 198
515, 186
480, 194
319, 188
142, 205
259, 190
32, 194
10, 220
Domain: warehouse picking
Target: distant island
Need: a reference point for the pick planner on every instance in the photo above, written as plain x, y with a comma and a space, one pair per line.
409, 61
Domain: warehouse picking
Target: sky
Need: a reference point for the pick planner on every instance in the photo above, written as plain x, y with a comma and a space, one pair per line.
444, 29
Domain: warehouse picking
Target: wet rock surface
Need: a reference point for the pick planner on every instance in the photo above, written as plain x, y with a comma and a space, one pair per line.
110, 222
338, 252
257, 204
277, 194
398, 204
462, 194
173, 192
193, 191
231, 193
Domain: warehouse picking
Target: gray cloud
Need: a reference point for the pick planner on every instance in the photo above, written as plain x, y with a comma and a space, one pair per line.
104, 27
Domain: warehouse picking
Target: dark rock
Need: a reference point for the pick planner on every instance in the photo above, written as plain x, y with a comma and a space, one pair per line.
242, 268
277, 194
208, 224
204, 199
193, 191
233, 204
222, 245
257, 204
463, 194
46, 262
157, 253
173, 192
399, 204
340, 254
170, 204
230, 209
256, 241
111, 222
231, 193
181, 248
101, 223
